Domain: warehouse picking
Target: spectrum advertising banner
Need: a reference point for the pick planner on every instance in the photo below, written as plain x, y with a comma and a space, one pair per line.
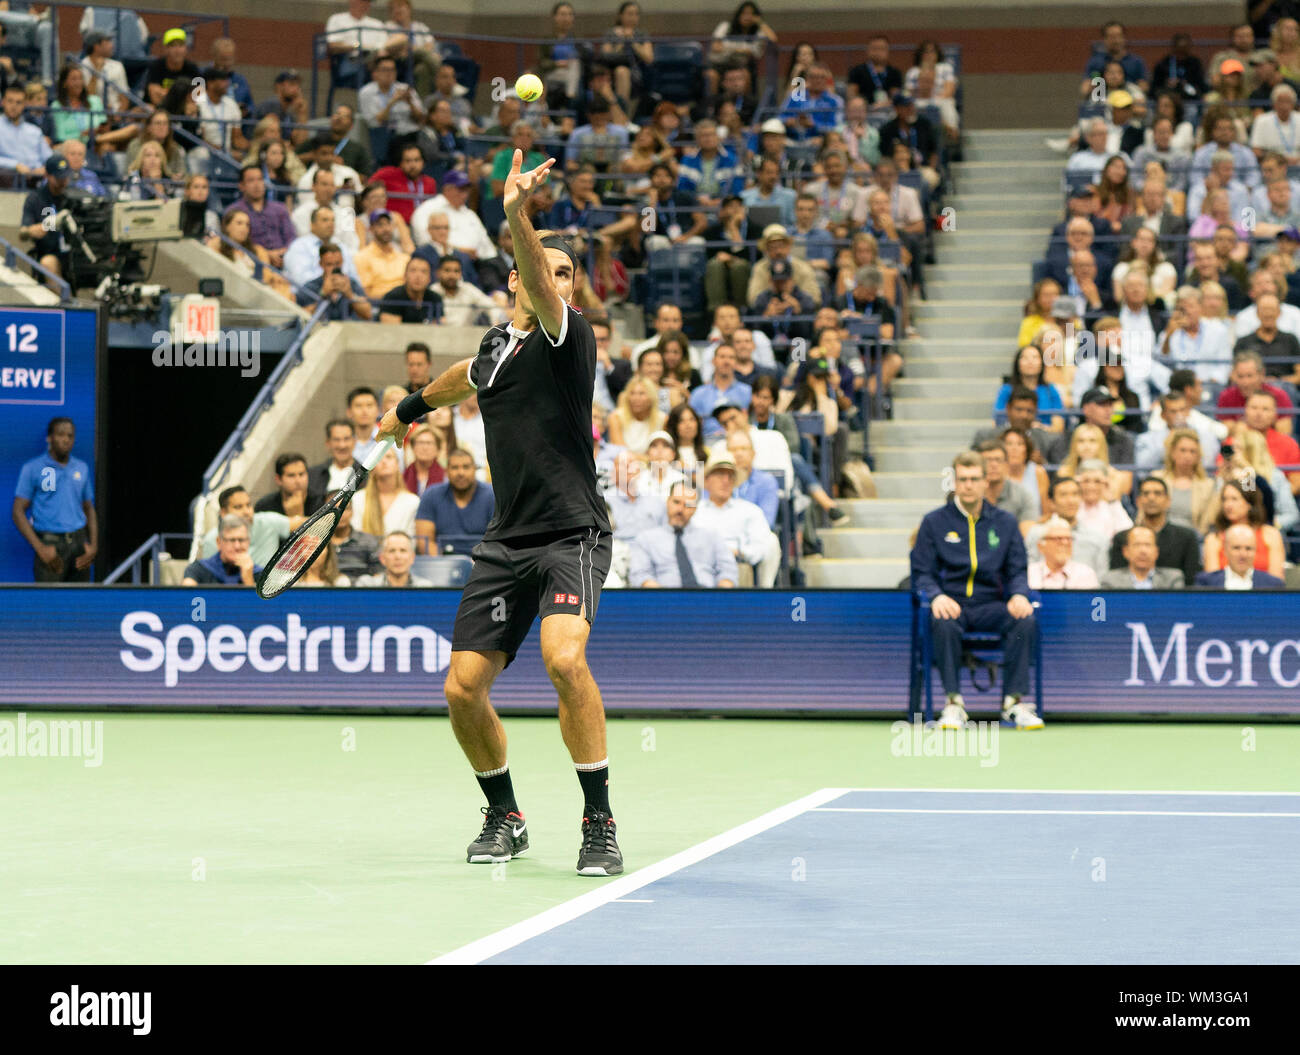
724, 651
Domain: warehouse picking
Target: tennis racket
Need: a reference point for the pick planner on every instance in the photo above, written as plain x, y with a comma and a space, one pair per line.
303, 546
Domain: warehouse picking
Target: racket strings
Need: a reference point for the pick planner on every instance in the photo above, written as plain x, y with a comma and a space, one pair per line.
290, 564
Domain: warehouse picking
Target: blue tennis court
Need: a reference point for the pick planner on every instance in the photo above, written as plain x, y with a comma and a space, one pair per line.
942, 876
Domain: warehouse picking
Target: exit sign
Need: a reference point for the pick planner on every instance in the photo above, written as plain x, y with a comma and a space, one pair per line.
200, 319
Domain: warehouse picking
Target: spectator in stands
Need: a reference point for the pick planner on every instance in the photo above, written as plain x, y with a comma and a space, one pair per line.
687, 431
1261, 416
738, 43
349, 141
232, 564
723, 387
636, 416
221, 117
1022, 413
1139, 570
319, 153
280, 168
1278, 130
1156, 294
905, 208
1115, 196
684, 553
363, 412
742, 525
302, 259
1223, 136
442, 143
75, 114
1180, 71
1269, 341
1080, 236
270, 227
776, 245
1191, 491
1265, 282
919, 136
439, 246
413, 301
381, 265
810, 239
425, 468
626, 51
726, 275
40, 206
353, 37
266, 530
1082, 280
982, 586
446, 89
23, 148
462, 303
680, 378
456, 511
411, 41
768, 191
736, 91
1172, 159
1204, 345
173, 65
1098, 438
345, 296
389, 104
397, 555
633, 509
1057, 569
333, 474
109, 78
813, 107
1093, 159
1065, 497
1098, 509
839, 200
875, 80
1038, 309
146, 177
290, 107
560, 61
754, 484
1242, 48
292, 496
1002, 491
1272, 167
467, 232
1243, 505
385, 505
322, 196
1178, 547
1247, 378
1283, 210
709, 171
786, 310
324, 571
223, 59
493, 272
157, 128
1022, 470
236, 227
599, 143
522, 137
1115, 50
79, 176
1240, 571
59, 490
1173, 413
355, 553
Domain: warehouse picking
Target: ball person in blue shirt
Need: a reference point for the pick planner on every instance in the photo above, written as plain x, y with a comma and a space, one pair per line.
54, 508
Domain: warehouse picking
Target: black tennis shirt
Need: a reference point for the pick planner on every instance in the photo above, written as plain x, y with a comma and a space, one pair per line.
534, 392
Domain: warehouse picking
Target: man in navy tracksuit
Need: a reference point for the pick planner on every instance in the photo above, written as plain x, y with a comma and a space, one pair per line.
969, 559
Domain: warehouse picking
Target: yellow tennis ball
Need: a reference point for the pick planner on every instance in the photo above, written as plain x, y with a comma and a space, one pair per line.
529, 87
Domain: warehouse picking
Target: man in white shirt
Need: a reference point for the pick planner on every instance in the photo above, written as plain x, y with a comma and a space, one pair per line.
462, 303
668, 319
1240, 574
1092, 160
741, 524
1279, 130
1263, 282
388, 103
219, 115
1058, 570
467, 231
367, 34
468, 425
1135, 350
756, 347
1172, 413
302, 258
1202, 345
771, 451
321, 155
1222, 174
322, 193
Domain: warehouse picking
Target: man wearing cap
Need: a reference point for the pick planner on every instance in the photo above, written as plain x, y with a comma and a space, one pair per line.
1115, 50
219, 114
741, 524
919, 135
390, 104
813, 108
408, 186
1126, 132
467, 231
775, 245
290, 106
1097, 405
768, 189
777, 303
1279, 130
173, 65
683, 554
723, 388
381, 265
39, 209
1223, 136
109, 79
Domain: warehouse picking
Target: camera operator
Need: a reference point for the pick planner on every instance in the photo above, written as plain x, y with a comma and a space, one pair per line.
40, 210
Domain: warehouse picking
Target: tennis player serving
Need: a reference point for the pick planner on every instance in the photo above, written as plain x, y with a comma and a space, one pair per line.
547, 549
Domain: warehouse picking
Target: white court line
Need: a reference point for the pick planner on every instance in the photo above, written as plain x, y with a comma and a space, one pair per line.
494, 944
1068, 813
1056, 791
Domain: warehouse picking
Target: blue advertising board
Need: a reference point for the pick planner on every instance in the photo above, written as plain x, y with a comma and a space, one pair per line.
724, 651
48, 368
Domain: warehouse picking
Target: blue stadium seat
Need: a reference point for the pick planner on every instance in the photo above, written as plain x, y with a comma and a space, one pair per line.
813, 426
443, 571
979, 646
677, 73
675, 276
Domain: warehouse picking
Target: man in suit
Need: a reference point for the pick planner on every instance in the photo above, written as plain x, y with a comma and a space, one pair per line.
969, 561
1079, 235
1240, 574
1176, 546
334, 473
1155, 213
1141, 571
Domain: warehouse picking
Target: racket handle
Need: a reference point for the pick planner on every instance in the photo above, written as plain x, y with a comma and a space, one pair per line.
376, 455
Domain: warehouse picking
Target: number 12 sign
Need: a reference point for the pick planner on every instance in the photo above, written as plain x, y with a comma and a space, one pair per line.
32, 357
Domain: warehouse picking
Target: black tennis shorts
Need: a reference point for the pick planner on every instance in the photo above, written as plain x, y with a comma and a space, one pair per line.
515, 580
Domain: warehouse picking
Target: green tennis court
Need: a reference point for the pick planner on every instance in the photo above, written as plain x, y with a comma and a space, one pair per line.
211, 839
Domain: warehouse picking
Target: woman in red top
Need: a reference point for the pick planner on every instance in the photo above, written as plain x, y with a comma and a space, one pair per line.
1237, 505
424, 469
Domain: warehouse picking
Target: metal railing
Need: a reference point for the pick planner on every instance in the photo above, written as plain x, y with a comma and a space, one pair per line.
13, 255
153, 547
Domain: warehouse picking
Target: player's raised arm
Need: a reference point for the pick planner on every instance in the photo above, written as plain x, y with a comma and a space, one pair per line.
530, 257
450, 387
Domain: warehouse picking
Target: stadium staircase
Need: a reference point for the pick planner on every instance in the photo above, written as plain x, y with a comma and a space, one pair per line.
1007, 197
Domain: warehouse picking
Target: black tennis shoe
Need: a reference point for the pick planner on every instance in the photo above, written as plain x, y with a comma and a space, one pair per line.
504, 835
600, 855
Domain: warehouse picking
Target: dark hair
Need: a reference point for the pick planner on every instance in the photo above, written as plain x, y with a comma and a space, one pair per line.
919, 53
1058, 483
462, 452
674, 420
683, 369
1154, 480
61, 86
618, 19
420, 346
1177, 100
382, 59
562, 3
1021, 394
1127, 394
285, 460
1011, 430
326, 248
246, 169
1181, 380
361, 390
1015, 380
335, 423
1254, 498
223, 499
985, 446
789, 70
657, 166
735, 29
450, 258
767, 383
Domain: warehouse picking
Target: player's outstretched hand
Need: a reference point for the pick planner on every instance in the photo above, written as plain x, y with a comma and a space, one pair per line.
390, 426
521, 184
